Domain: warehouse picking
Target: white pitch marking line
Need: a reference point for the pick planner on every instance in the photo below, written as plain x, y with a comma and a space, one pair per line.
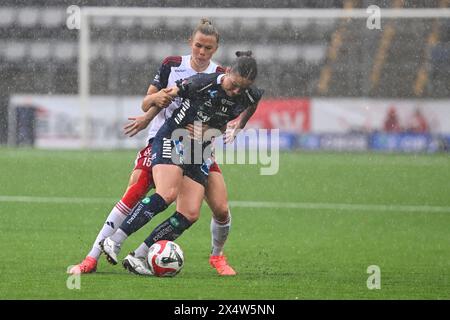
339, 206
246, 204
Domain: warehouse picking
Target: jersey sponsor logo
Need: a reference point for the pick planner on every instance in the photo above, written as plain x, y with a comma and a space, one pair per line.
174, 222
180, 70
182, 112
203, 116
227, 102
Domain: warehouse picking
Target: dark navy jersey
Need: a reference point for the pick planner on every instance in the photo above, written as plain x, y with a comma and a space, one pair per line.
203, 99
172, 69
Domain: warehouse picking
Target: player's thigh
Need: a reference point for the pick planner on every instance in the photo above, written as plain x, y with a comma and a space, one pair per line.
142, 171
216, 196
142, 165
190, 197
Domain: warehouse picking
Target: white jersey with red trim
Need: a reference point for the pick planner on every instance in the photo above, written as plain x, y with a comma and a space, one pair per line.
172, 69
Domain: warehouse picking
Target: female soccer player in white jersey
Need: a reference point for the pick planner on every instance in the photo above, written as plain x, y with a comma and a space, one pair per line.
204, 43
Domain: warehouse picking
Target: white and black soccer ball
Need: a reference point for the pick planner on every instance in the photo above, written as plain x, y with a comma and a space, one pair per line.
165, 258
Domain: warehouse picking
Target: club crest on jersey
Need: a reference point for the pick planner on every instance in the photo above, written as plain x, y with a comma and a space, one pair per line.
213, 93
203, 116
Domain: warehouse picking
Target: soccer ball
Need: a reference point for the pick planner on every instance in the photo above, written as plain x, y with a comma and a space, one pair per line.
165, 258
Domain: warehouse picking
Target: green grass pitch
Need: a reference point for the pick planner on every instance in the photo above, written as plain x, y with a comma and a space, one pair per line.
315, 247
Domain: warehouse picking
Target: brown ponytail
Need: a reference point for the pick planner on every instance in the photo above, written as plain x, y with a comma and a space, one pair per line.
245, 65
247, 53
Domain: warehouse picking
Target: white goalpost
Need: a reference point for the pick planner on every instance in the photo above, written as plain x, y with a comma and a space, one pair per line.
88, 13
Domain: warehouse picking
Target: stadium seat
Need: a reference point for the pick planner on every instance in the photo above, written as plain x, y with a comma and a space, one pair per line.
65, 51
102, 50
40, 51
274, 24
126, 22
299, 24
102, 21
226, 24
135, 52
250, 24
265, 53
28, 17
15, 51
313, 53
53, 17
176, 24
288, 53
150, 23
159, 50
7, 17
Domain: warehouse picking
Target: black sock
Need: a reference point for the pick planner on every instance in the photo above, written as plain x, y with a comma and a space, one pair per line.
169, 229
143, 212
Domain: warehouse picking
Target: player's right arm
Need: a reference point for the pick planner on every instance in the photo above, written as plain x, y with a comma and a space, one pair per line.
155, 99
189, 87
152, 104
156, 96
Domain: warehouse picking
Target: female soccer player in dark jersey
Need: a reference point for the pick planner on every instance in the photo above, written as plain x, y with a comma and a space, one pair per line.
214, 100
204, 43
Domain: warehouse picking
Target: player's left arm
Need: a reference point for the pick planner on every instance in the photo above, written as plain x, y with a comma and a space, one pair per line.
232, 129
245, 116
253, 97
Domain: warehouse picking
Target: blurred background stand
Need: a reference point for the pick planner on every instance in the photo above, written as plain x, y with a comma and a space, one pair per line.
22, 129
4, 101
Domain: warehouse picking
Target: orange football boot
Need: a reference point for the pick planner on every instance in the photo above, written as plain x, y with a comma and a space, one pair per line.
88, 265
221, 265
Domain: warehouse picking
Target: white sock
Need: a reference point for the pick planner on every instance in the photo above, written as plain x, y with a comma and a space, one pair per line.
112, 223
219, 234
141, 251
119, 236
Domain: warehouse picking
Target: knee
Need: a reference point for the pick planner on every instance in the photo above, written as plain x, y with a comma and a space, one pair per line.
169, 195
222, 213
192, 216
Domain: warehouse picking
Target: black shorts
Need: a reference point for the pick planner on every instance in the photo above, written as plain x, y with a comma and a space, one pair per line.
196, 173
166, 151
